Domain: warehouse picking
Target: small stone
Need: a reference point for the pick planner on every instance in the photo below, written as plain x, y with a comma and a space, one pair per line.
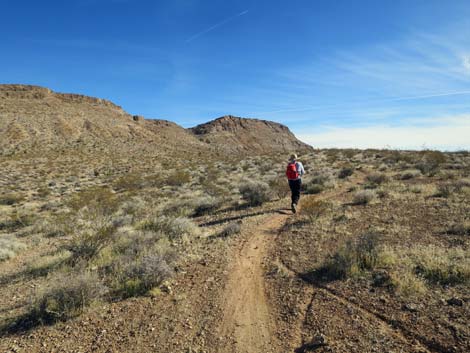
410, 307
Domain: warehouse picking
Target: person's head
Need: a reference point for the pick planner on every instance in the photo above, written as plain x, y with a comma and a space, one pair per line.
293, 157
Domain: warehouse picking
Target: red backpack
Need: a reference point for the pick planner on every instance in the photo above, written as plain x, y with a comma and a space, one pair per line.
291, 172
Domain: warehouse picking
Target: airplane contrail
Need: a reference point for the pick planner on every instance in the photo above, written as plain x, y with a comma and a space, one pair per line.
197, 35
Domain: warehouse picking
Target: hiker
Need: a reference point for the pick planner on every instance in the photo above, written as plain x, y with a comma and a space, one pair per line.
294, 173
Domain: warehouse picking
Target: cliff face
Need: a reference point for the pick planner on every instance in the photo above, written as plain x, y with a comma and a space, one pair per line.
254, 135
33, 117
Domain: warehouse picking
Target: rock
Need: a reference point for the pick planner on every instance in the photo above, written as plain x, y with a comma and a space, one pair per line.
410, 307
455, 301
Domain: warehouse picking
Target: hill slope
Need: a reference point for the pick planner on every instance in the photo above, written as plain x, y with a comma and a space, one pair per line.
34, 118
249, 135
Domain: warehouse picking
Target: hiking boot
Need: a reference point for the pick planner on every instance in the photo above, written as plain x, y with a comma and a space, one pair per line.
293, 207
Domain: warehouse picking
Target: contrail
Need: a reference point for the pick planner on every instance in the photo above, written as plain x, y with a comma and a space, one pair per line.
319, 107
197, 35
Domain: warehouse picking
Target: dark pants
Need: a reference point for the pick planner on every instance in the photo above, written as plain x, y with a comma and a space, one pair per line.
295, 189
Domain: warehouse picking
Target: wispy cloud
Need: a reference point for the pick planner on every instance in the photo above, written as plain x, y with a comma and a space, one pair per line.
466, 63
217, 25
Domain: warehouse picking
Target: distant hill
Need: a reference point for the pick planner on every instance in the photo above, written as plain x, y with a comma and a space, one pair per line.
36, 118
249, 135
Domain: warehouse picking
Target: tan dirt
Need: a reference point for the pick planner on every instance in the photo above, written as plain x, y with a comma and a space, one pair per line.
247, 326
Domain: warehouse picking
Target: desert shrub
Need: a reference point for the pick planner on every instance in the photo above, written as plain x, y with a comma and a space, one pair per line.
430, 162
376, 178
459, 228
255, 192
129, 182
409, 174
205, 205
353, 258
460, 184
314, 209
66, 297
363, 197
279, 186
179, 178
310, 188
442, 266
444, 190
96, 200
10, 247
88, 243
135, 276
173, 228
231, 229
322, 178
345, 172
11, 199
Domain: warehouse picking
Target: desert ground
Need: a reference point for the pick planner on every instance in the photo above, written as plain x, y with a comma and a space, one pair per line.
125, 247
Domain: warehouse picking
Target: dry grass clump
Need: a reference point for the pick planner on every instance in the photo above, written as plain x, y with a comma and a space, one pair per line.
15, 221
459, 228
11, 199
65, 298
173, 228
376, 179
363, 197
231, 229
319, 182
10, 247
205, 205
178, 178
96, 200
279, 186
442, 266
353, 258
57, 226
135, 275
313, 209
409, 174
48, 263
255, 192
444, 190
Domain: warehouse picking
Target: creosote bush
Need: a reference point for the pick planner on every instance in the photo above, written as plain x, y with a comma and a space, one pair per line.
255, 192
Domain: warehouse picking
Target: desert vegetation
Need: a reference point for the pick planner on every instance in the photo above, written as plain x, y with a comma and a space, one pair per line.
392, 225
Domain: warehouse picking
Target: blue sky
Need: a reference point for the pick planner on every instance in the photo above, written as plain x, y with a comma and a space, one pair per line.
338, 73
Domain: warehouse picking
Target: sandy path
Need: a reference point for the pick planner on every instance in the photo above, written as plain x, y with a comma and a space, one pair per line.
247, 326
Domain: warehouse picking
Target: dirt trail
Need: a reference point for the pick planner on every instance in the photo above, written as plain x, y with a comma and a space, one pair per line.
246, 326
